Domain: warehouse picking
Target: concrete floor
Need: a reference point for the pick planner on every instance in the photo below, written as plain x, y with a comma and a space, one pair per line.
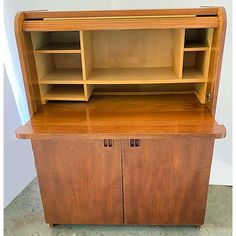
24, 217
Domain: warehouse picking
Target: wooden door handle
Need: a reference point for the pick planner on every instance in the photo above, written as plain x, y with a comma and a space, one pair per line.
135, 142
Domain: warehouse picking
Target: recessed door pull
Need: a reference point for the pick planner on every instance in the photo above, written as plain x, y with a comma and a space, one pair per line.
137, 142
134, 142
108, 142
105, 142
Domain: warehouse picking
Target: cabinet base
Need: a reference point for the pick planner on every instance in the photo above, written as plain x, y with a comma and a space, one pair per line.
52, 225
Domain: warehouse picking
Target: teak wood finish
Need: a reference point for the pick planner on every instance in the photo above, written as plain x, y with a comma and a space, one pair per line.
165, 181
88, 188
125, 116
142, 157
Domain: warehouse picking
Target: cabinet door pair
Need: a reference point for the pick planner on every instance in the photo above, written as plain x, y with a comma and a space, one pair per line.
158, 181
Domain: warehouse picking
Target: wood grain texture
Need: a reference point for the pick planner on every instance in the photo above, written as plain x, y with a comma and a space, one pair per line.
118, 24
63, 76
65, 93
133, 48
139, 75
59, 48
179, 35
124, 116
166, 181
28, 67
87, 61
108, 13
216, 60
79, 186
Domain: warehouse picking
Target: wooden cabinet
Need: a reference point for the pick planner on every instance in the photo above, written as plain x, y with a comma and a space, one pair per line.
148, 181
166, 181
122, 112
80, 182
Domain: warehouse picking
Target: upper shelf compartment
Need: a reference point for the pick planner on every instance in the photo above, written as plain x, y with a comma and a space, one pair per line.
198, 39
57, 42
135, 56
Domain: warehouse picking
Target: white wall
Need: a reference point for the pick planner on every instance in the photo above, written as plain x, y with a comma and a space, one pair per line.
18, 159
222, 162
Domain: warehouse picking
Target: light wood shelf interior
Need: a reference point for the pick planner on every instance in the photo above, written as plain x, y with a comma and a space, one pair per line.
162, 60
143, 89
193, 47
64, 93
56, 42
59, 48
145, 75
63, 76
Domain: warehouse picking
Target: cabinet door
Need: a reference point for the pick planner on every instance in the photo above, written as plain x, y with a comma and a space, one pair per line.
166, 181
80, 181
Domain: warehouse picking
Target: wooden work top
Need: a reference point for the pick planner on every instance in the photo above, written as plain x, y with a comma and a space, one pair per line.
123, 117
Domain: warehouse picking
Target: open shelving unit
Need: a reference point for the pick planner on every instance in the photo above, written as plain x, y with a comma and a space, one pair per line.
72, 65
58, 63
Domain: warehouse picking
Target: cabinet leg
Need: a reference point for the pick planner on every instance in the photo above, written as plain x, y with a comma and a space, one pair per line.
52, 225
198, 226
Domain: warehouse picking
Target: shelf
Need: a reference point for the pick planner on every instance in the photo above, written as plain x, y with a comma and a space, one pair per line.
192, 73
63, 76
60, 48
65, 93
132, 76
138, 76
195, 46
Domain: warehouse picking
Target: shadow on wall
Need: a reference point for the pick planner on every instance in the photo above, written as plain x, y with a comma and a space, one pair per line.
19, 168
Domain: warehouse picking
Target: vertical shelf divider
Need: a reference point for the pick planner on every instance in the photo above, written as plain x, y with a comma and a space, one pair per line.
87, 60
179, 35
201, 89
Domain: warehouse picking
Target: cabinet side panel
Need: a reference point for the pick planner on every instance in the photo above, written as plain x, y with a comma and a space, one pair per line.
80, 181
166, 181
215, 63
28, 67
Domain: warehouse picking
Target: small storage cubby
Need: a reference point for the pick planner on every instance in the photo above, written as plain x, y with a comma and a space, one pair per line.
60, 92
58, 62
59, 68
56, 42
198, 38
195, 65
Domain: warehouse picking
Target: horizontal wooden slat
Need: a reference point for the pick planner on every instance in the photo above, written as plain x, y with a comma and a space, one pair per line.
123, 23
107, 132
147, 75
148, 12
63, 76
60, 48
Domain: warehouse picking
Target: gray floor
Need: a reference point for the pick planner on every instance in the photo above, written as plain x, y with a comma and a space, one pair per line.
24, 217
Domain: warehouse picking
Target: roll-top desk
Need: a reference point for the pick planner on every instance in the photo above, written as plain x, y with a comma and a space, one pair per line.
122, 107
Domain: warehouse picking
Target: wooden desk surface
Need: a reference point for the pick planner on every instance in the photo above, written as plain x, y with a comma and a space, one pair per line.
119, 117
